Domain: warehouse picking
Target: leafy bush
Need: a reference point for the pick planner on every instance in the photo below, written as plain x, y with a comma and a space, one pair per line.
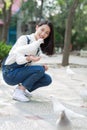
4, 50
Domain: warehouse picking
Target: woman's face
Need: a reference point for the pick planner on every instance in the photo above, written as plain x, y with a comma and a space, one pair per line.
42, 32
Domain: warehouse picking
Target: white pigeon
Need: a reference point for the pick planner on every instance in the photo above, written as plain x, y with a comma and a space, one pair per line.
83, 94
63, 123
31, 49
70, 72
58, 107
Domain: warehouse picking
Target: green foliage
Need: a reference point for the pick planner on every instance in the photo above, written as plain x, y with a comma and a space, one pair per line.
79, 36
29, 10
8, 3
58, 38
4, 50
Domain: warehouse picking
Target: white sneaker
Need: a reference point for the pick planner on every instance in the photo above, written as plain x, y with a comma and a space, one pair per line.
20, 95
27, 93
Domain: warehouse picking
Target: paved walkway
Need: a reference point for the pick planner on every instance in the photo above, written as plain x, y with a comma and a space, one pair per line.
38, 114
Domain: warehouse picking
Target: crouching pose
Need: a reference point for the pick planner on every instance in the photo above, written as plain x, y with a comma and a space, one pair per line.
17, 68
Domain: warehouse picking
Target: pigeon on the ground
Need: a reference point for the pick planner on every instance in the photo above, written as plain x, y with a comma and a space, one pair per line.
58, 107
70, 72
83, 94
63, 123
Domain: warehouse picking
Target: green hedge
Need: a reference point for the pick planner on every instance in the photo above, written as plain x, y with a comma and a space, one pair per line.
4, 50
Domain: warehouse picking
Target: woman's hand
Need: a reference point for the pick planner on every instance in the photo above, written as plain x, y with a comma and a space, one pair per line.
32, 58
46, 67
40, 41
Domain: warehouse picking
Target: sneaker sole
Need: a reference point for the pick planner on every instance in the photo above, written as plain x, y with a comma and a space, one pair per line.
20, 100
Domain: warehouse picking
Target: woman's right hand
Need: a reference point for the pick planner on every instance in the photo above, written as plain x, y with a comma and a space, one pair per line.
32, 58
40, 41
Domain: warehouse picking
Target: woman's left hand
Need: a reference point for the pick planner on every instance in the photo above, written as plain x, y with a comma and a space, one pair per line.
46, 67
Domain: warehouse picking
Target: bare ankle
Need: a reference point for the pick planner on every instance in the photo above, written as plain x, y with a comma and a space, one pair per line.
21, 87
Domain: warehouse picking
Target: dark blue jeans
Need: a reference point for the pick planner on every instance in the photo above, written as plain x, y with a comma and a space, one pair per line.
31, 77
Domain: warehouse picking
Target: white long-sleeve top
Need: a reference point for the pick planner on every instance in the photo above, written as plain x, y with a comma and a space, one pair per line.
20, 49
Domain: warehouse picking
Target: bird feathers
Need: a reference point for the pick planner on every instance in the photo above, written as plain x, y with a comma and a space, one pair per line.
63, 123
58, 107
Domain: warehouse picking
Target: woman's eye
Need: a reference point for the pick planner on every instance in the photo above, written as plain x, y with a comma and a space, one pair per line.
42, 30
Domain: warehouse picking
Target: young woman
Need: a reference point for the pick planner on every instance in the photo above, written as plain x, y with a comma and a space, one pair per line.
17, 68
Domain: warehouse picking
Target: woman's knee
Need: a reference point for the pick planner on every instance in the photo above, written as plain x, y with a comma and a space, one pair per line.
41, 70
50, 80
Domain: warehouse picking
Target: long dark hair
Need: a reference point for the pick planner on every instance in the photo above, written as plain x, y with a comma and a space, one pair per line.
48, 46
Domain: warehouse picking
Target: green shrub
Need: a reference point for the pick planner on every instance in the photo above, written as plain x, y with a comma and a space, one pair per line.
4, 50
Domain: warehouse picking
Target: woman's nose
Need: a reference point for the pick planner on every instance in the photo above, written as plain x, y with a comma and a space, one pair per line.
42, 34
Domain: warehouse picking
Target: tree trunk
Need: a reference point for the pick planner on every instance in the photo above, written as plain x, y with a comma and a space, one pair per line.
41, 10
68, 33
6, 19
